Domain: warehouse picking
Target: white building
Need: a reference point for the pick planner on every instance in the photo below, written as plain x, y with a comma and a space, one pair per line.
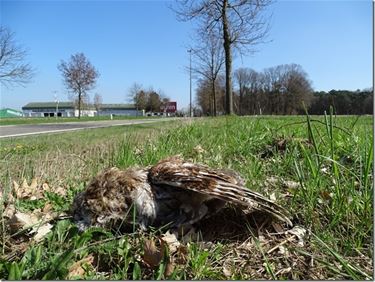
67, 109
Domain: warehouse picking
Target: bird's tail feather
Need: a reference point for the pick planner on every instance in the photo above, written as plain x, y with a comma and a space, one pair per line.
250, 199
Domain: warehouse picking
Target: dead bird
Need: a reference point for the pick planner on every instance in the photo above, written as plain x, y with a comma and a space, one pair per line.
174, 192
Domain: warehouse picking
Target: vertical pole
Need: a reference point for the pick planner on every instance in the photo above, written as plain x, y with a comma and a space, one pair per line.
56, 101
190, 83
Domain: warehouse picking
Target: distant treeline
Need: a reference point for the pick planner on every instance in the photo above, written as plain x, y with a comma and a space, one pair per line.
344, 102
279, 90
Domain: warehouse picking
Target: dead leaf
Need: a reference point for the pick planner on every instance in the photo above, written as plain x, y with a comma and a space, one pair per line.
34, 184
169, 268
152, 255
38, 213
47, 216
9, 211
291, 184
42, 231
16, 188
171, 241
226, 269
22, 220
10, 198
198, 149
24, 185
47, 208
273, 197
326, 195
28, 191
300, 232
76, 269
37, 220
60, 191
46, 187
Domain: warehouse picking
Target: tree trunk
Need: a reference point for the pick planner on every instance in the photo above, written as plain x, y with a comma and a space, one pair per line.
79, 104
210, 107
228, 61
241, 100
214, 98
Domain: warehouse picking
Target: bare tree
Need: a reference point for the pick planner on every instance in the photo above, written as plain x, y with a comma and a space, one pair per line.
241, 24
284, 89
98, 101
13, 69
134, 89
298, 89
79, 76
204, 92
243, 78
138, 96
209, 59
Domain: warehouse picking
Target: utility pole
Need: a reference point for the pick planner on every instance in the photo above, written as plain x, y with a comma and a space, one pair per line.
190, 111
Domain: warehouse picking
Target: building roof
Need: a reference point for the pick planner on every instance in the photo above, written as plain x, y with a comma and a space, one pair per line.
5, 113
39, 105
117, 107
70, 105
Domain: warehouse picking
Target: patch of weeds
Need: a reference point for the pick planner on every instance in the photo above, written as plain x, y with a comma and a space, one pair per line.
58, 202
20, 149
30, 205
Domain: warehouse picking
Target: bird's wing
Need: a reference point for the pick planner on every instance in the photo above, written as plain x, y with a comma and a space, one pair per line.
180, 174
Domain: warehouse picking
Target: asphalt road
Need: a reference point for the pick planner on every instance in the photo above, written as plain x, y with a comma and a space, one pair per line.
32, 129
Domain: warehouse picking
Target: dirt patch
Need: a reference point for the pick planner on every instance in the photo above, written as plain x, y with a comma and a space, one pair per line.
279, 145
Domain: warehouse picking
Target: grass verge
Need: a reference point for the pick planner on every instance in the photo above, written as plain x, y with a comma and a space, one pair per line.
320, 168
25, 120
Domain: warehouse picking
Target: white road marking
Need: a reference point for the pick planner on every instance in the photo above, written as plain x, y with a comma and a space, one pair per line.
80, 128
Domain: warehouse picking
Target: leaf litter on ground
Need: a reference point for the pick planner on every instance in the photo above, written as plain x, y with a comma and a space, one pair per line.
36, 221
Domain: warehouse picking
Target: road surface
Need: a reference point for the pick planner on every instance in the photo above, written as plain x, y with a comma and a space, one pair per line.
32, 129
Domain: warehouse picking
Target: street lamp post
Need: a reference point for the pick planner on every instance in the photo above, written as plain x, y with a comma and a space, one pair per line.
190, 111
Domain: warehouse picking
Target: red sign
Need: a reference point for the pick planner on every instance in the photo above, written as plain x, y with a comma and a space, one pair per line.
169, 107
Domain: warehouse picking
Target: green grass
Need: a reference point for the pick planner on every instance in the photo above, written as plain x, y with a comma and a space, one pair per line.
34, 120
62, 158
331, 158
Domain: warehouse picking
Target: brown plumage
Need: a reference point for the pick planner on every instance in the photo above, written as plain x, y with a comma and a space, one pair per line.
174, 192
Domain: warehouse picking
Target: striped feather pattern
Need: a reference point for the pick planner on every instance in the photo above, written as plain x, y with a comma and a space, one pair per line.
202, 179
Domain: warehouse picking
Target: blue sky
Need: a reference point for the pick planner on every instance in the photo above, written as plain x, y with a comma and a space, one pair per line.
141, 41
